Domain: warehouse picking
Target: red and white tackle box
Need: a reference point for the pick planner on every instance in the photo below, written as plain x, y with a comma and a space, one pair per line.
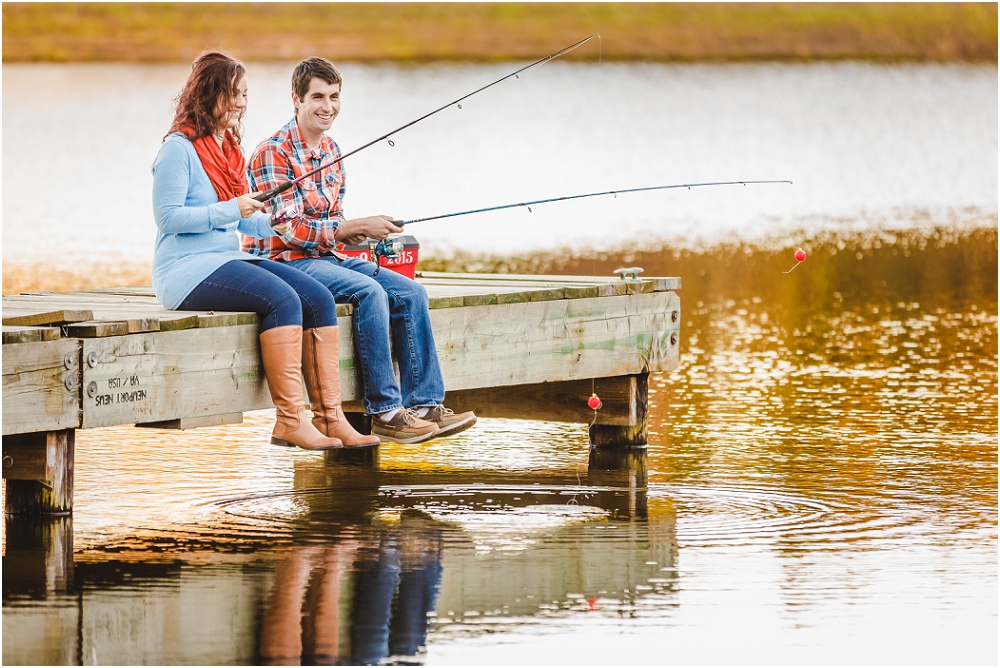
405, 263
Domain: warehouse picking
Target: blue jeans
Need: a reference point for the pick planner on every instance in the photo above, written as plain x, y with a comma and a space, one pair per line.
279, 294
387, 307
391, 602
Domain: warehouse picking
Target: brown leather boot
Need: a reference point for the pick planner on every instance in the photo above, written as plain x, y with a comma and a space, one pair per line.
321, 368
281, 353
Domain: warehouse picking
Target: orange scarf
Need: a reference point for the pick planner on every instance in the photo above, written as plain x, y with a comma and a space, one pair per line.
226, 167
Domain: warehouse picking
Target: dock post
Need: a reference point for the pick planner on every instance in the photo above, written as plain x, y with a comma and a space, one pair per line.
38, 468
38, 559
636, 434
623, 473
361, 422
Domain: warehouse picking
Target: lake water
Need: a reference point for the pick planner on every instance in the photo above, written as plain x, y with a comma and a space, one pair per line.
820, 484
865, 146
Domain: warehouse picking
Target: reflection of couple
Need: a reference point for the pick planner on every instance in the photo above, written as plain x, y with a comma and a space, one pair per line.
387, 582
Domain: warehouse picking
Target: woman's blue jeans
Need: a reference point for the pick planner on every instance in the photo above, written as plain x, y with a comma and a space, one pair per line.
387, 307
279, 294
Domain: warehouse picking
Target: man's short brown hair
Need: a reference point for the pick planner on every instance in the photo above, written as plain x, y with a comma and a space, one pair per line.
313, 67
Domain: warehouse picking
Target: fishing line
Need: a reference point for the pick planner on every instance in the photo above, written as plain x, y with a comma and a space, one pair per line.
263, 197
569, 197
390, 247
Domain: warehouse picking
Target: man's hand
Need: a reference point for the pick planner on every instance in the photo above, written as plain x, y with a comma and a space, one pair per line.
357, 230
352, 241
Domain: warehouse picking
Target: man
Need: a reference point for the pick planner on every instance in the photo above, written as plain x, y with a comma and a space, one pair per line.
385, 306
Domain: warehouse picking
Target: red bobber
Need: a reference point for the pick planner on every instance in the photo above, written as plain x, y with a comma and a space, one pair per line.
594, 402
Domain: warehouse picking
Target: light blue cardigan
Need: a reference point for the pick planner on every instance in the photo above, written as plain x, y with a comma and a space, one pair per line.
197, 232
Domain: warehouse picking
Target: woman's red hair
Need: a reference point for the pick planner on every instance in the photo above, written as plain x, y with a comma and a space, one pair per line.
213, 80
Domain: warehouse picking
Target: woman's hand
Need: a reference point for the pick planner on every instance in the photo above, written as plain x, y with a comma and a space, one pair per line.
248, 205
281, 220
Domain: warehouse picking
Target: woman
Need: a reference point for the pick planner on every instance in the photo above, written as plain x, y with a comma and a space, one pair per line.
200, 200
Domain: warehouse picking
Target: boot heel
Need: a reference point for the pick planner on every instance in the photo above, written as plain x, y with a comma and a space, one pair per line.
278, 441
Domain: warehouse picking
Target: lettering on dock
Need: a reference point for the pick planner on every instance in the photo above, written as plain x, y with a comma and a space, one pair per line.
116, 383
120, 392
128, 397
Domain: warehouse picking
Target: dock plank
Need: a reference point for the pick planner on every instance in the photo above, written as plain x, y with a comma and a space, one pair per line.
550, 341
96, 328
572, 289
41, 386
491, 331
13, 334
112, 307
186, 376
660, 283
43, 316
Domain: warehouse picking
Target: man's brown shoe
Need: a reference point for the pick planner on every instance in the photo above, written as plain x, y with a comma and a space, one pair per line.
404, 427
448, 421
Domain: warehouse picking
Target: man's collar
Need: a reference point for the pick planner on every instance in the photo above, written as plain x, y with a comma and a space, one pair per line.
302, 150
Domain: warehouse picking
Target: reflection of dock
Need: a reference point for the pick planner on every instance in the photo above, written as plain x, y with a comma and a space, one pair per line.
375, 566
510, 346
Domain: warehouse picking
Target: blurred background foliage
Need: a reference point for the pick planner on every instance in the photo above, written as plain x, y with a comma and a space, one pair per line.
422, 32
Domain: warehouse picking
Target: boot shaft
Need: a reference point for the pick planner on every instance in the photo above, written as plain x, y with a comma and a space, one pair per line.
321, 367
281, 355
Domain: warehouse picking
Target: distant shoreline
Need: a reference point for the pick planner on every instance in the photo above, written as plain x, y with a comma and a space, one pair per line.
488, 32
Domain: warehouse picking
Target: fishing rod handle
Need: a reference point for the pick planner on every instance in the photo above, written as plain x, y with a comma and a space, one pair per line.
274, 192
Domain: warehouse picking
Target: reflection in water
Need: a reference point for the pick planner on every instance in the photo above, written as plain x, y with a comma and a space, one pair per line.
353, 598
821, 481
378, 560
365, 582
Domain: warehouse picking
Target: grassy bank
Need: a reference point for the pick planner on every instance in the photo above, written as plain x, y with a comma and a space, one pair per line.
419, 32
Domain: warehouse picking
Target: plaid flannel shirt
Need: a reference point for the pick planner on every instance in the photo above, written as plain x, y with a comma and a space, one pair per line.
285, 156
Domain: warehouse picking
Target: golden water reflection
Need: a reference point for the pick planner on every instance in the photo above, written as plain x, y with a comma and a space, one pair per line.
821, 480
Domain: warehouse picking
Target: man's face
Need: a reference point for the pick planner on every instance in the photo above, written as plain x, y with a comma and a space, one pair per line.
315, 113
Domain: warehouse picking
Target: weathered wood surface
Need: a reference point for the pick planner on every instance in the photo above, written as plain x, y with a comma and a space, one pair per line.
141, 313
567, 339
41, 386
39, 472
14, 334
32, 315
555, 402
616, 285
138, 363
633, 434
184, 376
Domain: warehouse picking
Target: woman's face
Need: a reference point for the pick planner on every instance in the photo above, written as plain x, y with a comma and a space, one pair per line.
229, 110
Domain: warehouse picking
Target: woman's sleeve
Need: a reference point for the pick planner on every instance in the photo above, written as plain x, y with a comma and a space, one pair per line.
171, 182
257, 226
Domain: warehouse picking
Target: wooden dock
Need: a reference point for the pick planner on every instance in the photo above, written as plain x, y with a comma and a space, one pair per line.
515, 346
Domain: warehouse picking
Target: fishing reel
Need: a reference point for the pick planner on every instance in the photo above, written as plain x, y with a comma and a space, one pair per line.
387, 248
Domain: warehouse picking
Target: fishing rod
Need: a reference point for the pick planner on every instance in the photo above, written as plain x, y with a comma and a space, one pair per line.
390, 248
569, 197
263, 197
